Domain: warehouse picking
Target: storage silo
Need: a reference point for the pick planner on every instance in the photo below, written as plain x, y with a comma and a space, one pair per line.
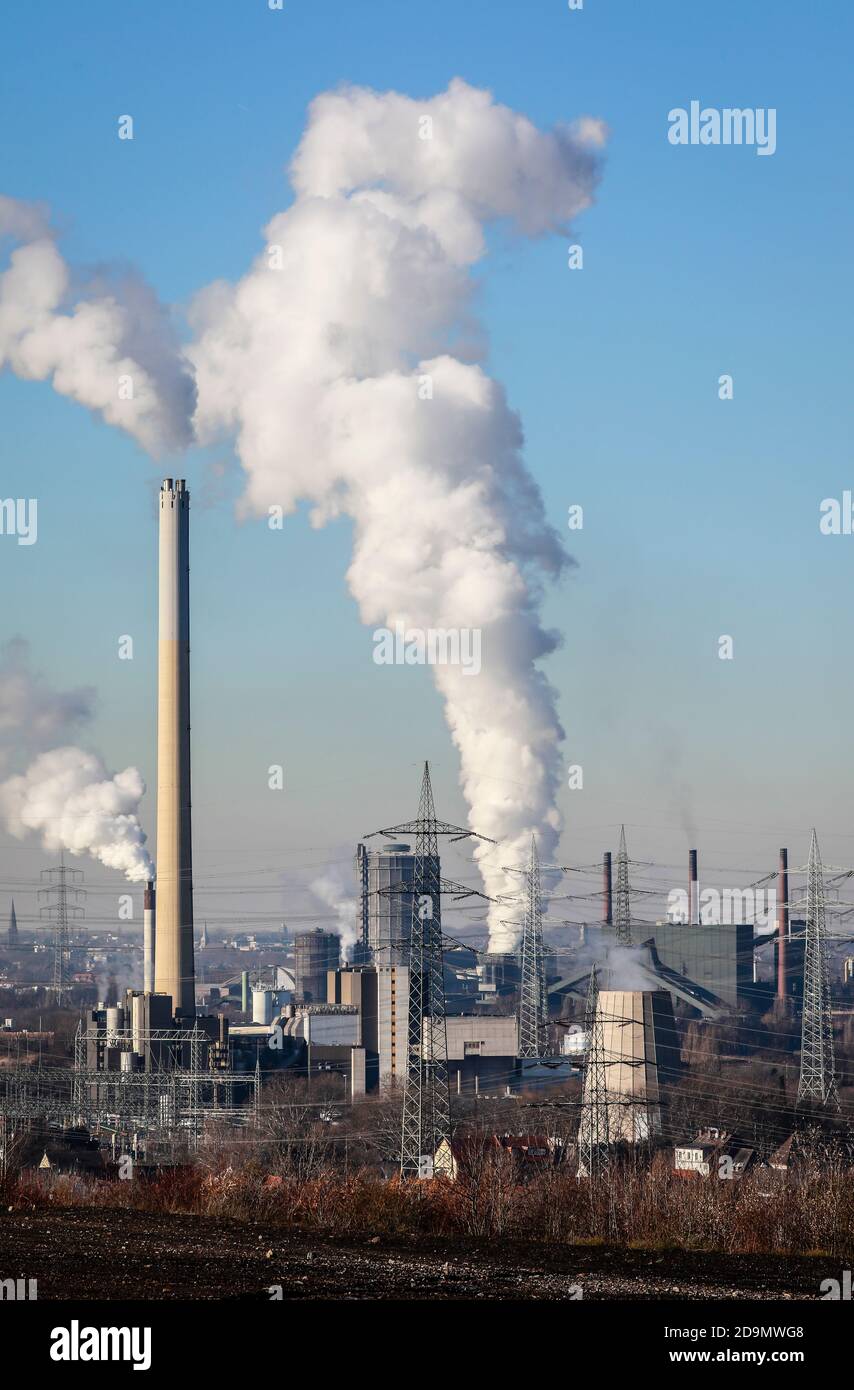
315, 953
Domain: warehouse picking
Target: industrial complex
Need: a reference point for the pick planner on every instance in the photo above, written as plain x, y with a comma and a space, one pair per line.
605, 1016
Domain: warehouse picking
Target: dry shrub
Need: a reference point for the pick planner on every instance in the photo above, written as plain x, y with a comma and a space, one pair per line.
643, 1207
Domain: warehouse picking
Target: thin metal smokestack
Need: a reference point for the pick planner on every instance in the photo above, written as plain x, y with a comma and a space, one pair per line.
693, 888
607, 890
148, 937
782, 924
173, 957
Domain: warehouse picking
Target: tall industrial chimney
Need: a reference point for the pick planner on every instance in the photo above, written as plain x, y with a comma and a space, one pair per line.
173, 956
148, 938
607, 890
782, 924
693, 888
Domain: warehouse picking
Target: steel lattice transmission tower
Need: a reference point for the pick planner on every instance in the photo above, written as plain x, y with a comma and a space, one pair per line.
623, 903
533, 1002
817, 1079
426, 1097
61, 884
593, 1130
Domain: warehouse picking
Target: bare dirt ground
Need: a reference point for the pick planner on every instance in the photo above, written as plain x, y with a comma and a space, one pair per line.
105, 1254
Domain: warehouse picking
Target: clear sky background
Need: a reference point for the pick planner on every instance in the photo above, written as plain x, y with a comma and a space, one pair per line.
701, 516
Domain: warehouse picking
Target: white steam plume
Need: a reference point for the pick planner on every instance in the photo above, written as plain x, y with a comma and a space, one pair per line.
315, 361
66, 795
68, 798
331, 891
111, 346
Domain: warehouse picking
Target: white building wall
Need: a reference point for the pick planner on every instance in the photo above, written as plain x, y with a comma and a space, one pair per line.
330, 1030
469, 1035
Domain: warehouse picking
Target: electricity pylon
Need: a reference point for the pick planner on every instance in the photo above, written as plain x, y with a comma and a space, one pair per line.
593, 1130
623, 904
426, 1097
817, 1080
61, 883
533, 1001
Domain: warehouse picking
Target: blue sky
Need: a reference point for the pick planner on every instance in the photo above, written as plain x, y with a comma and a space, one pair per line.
701, 517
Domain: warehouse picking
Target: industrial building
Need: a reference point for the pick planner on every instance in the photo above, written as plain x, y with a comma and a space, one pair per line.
482, 1048
717, 956
307, 1040
479, 1046
381, 994
148, 1066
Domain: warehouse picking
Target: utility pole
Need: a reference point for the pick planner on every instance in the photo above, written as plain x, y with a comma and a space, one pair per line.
817, 1079
61, 885
533, 1002
623, 908
593, 1130
426, 1098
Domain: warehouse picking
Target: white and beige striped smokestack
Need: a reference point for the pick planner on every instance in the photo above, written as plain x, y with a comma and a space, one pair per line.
174, 972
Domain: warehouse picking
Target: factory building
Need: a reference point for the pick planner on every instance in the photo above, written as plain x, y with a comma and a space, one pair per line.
268, 1002
482, 1047
393, 1022
309, 1040
381, 995
639, 1057
498, 973
718, 956
138, 1035
323, 1025
315, 954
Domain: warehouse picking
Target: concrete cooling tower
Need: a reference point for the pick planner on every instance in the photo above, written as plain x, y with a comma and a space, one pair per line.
639, 1058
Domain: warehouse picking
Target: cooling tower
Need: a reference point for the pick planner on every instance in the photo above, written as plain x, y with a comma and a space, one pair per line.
640, 1056
173, 956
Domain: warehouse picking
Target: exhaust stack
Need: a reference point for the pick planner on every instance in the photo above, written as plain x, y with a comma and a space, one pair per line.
693, 889
607, 890
173, 957
148, 938
782, 924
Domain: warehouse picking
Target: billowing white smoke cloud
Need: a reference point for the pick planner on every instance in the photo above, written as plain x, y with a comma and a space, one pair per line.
333, 364
342, 365
335, 894
68, 798
111, 347
66, 795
